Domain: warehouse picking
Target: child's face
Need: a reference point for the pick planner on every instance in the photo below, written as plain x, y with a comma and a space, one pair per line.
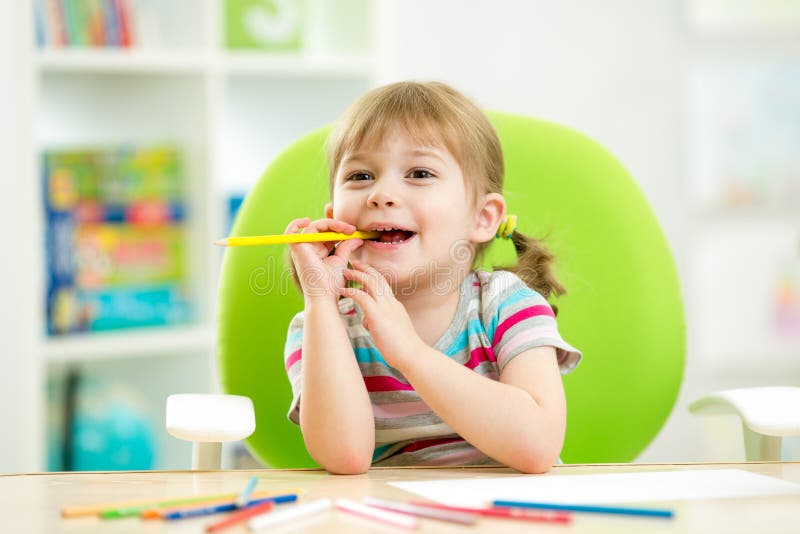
417, 190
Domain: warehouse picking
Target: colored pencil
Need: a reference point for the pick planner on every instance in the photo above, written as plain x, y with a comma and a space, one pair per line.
504, 513
156, 510
298, 511
244, 497
142, 504
422, 511
650, 512
220, 508
281, 239
376, 514
242, 515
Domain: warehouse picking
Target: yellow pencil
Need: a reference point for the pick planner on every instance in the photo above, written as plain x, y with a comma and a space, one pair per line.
281, 239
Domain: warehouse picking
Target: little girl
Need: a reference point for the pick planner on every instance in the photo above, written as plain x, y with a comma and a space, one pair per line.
429, 361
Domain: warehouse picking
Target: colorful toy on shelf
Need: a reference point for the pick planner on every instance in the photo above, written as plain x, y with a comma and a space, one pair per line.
116, 254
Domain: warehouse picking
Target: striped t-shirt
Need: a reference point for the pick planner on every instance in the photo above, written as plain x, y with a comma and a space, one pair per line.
497, 318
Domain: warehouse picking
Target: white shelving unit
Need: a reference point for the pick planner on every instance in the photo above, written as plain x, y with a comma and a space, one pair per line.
737, 252
229, 113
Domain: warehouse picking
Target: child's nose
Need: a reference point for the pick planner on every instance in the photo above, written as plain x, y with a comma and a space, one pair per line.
381, 199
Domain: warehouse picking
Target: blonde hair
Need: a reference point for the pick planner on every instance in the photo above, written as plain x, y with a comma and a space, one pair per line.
434, 113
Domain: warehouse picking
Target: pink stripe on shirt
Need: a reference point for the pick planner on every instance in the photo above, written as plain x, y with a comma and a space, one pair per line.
385, 383
525, 313
524, 338
293, 357
480, 355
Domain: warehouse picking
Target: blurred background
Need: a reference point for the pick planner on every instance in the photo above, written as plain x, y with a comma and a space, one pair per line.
131, 129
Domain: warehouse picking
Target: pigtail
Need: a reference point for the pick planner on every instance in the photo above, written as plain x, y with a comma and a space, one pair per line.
535, 266
287, 258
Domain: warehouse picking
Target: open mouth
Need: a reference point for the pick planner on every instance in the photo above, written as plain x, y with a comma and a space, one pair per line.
393, 235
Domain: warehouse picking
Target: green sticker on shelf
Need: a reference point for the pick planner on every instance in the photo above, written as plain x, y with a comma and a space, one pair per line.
275, 25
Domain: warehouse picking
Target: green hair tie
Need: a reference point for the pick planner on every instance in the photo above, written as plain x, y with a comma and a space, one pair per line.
507, 227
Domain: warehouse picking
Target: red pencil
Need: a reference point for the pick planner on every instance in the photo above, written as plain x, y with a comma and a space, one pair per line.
503, 513
241, 515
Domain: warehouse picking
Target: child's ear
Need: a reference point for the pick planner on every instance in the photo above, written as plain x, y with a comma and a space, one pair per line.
329, 210
491, 212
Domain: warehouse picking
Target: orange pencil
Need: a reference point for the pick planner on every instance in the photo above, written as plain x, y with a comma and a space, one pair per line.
238, 517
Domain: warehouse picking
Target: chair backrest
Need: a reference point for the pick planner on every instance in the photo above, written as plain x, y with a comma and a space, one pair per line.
623, 306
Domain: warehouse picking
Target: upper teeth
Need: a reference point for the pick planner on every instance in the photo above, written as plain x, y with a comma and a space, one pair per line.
386, 229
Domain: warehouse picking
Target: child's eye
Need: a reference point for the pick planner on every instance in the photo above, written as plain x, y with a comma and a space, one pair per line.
420, 173
358, 177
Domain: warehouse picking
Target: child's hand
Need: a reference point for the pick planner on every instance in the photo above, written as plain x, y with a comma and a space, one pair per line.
384, 316
319, 271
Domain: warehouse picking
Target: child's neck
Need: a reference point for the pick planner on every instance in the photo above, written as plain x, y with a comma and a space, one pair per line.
431, 310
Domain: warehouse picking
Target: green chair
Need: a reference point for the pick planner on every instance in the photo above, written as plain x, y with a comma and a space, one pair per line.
623, 306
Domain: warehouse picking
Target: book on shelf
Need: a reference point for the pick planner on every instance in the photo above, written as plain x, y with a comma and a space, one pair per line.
95, 23
116, 239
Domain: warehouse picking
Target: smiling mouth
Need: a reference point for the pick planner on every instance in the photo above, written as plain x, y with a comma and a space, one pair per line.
393, 236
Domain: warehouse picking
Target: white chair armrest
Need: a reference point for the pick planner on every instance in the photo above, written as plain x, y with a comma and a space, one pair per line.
767, 414
208, 420
771, 411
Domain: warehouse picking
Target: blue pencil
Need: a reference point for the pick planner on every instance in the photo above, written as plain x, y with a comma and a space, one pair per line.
228, 507
650, 512
244, 497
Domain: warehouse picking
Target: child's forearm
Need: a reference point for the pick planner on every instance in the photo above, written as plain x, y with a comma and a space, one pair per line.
335, 411
503, 421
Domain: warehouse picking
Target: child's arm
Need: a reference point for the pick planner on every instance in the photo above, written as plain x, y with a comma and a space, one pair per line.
335, 410
519, 421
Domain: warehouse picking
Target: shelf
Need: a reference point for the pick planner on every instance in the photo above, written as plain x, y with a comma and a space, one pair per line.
296, 64
121, 60
112, 60
784, 364
763, 213
129, 343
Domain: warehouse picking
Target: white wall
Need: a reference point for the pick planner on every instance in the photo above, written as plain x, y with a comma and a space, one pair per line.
610, 68
17, 357
614, 69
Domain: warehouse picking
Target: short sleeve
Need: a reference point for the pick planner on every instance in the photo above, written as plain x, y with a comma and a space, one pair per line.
292, 359
519, 319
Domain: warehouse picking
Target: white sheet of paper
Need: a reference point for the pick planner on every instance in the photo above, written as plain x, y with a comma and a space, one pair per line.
602, 488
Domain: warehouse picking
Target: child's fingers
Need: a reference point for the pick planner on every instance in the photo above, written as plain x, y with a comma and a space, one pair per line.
345, 248
361, 298
320, 225
296, 225
377, 284
332, 225
369, 282
304, 254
